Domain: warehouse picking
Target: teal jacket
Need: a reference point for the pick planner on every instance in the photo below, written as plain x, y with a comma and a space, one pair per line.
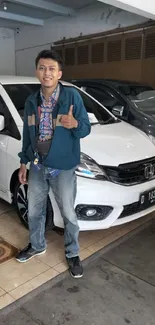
64, 152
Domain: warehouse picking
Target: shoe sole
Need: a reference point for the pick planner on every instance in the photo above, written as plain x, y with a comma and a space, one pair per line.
76, 276
41, 253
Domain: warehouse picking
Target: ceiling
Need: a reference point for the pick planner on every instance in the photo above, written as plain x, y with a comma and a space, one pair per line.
16, 13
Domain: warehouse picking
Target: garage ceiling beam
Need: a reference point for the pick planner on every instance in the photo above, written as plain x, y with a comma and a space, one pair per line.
22, 19
142, 8
44, 5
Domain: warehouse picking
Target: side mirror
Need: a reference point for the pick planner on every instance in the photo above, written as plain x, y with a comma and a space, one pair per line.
2, 123
92, 118
118, 110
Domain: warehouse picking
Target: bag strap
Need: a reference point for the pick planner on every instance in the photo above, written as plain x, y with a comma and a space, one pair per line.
39, 106
39, 112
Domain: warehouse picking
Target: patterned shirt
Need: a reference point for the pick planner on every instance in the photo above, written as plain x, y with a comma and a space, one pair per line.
46, 123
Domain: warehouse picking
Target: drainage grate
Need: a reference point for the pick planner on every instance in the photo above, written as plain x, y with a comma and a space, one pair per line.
7, 251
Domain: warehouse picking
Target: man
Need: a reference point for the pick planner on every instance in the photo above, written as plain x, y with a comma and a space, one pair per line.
55, 119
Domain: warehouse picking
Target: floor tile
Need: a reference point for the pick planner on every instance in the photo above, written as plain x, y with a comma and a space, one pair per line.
9, 222
57, 244
100, 244
13, 273
52, 236
61, 267
84, 254
4, 206
19, 238
121, 231
33, 284
55, 253
6, 300
11, 214
88, 238
52, 258
2, 292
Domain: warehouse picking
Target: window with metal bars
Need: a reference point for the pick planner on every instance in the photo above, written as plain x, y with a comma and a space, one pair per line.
133, 48
82, 54
70, 56
150, 45
97, 53
114, 51
59, 52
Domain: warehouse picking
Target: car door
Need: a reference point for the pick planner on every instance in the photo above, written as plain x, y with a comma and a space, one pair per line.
7, 135
4, 137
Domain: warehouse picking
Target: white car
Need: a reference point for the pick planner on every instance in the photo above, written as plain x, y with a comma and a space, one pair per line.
116, 177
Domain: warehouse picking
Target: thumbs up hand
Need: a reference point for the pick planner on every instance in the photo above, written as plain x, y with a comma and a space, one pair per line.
70, 113
68, 121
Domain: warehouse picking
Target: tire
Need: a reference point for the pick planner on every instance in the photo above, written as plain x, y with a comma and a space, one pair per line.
21, 203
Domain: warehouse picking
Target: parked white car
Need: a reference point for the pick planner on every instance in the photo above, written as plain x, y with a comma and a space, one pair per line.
116, 178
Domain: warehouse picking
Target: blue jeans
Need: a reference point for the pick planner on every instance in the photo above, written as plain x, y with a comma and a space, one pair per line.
64, 189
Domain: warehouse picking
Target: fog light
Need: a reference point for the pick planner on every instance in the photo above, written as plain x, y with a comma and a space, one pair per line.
91, 213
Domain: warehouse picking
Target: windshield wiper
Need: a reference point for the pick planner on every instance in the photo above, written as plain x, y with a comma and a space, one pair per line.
111, 119
94, 123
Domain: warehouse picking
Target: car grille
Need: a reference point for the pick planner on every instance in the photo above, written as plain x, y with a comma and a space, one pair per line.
131, 173
132, 209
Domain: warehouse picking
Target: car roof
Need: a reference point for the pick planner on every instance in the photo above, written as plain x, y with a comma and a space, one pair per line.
7, 80
113, 82
4, 80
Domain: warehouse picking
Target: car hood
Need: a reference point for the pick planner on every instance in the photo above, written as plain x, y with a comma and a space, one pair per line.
115, 144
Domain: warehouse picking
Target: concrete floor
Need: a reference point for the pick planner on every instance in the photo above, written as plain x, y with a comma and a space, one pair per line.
118, 288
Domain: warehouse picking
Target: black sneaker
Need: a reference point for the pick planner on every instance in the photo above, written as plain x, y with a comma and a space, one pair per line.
27, 253
75, 267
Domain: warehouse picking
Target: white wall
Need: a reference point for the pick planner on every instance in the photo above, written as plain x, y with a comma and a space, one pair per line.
7, 52
139, 7
93, 19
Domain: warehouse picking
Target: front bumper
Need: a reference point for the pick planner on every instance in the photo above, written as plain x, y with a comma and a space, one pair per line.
103, 193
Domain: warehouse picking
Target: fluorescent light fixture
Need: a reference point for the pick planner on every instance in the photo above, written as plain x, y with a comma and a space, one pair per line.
5, 6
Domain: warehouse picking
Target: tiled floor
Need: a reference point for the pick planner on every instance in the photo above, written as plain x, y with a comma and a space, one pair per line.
17, 279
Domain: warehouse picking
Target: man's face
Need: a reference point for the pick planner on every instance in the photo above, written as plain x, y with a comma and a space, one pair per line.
48, 72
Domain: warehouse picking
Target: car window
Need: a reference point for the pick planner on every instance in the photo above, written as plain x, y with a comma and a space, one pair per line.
110, 99
10, 126
101, 95
3, 108
104, 97
145, 101
131, 91
19, 93
143, 97
92, 107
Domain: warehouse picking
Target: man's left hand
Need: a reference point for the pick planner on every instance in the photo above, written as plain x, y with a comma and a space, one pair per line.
68, 121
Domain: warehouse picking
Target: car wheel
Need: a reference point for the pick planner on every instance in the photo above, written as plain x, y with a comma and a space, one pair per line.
21, 202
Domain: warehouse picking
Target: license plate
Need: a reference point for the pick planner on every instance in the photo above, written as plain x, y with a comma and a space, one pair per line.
147, 198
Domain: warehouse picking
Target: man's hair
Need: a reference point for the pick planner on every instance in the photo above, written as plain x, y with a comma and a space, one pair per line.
49, 54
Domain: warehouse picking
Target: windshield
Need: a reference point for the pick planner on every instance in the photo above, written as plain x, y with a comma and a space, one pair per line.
142, 97
19, 93
102, 115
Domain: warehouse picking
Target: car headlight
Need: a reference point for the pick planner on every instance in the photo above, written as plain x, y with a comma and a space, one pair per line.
152, 138
89, 168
